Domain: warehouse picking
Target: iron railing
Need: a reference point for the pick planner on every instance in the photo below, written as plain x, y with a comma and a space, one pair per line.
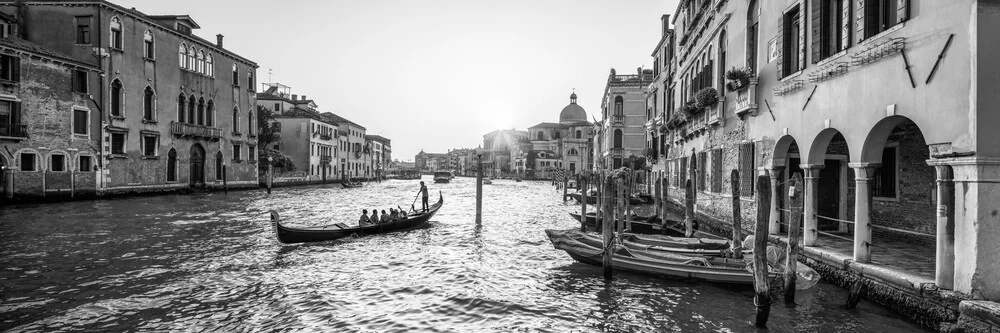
184, 129
14, 130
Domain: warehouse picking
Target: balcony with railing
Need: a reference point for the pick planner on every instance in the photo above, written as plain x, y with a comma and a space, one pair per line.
13, 131
197, 131
617, 119
746, 99
618, 151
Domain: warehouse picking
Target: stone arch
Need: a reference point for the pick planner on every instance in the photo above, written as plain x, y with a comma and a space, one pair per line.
782, 148
871, 152
67, 164
819, 146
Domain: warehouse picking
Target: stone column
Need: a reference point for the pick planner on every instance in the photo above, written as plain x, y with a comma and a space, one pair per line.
810, 224
977, 226
775, 219
944, 274
862, 211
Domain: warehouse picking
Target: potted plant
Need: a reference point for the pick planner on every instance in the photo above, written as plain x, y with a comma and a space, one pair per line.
738, 78
690, 108
707, 97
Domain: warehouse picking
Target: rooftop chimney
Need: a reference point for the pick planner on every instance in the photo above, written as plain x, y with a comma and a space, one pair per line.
294, 97
304, 98
665, 21
218, 40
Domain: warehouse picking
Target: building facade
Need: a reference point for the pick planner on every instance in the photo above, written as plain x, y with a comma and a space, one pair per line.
903, 152
173, 110
354, 151
621, 134
381, 154
557, 148
306, 136
497, 151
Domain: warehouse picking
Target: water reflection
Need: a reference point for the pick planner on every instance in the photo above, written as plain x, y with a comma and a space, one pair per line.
210, 261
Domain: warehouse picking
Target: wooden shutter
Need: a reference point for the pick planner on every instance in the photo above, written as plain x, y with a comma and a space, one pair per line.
860, 20
802, 38
845, 33
782, 33
817, 30
902, 10
15, 69
15, 114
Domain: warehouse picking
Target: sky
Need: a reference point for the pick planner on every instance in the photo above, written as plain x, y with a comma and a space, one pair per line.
439, 74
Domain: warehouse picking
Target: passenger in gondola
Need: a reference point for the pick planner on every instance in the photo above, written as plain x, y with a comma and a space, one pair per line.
385, 217
364, 220
374, 216
393, 215
402, 213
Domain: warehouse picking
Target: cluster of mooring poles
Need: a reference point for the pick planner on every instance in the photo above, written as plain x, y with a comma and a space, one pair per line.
614, 187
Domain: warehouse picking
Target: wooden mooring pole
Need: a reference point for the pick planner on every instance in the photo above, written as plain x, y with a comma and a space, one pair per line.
606, 225
270, 174
479, 190
664, 202
566, 187
688, 209
620, 217
762, 299
225, 182
583, 183
737, 246
794, 233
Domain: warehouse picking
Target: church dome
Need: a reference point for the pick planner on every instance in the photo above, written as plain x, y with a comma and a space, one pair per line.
573, 112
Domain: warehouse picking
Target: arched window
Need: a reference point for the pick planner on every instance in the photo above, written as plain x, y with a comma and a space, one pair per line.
148, 103
192, 110
236, 119
618, 138
149, 46
572, 152
191, 59
209, 65
250, 81
182, 51
172, 165
722, 61
579, 134
753, 30
180, 108
218, 166
201, 111
541, 135
619, 105
201, 61
250, 123
116, 33
558, 135
236, 75
117, 98
210, 114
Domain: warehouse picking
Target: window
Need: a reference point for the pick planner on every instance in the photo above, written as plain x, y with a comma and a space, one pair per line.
86, 163
83, 30
236, 120
182, 52
236, 75
57, 163
541, 135
250, 124
192, 110
747, 167
880, 15
10, 68
558, 135
180, 108
28, 161
618, 139
192, 58
792, 43
721, 71
210, 114
116, 33
149, 145
579, 134
201, 62
209, 65
251, 153
753, 32
172, 165
149, 45
619, 105
717, 170
276, 106
118, 143
219, 166
81, 121
702, 171
148, 103
79, 78
682, 170
886, 176
236, 152
117, 98
830, 31
250, 81
201, 111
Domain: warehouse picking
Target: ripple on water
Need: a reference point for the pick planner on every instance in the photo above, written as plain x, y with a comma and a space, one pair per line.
210, 262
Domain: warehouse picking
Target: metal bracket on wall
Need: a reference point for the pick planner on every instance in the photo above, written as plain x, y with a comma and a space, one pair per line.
810, 98
906, 61
769, 110
940, 56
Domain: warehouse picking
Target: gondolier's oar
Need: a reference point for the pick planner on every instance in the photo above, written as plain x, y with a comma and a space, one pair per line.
415, 198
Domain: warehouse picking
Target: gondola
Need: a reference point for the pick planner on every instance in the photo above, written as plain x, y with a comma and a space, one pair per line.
641, 225
592, 199
288, 234
351, 185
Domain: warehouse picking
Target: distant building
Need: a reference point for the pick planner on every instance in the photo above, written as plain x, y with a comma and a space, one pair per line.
497, 148
354, 151
622, 131
172, 109
559, 146
309, 138
381, 154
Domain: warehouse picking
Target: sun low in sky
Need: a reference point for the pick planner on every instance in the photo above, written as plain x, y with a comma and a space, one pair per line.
438, 74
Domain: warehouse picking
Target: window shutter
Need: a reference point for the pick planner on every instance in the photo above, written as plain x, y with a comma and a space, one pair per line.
902, 10
15, 113
780, 45
845, 40
15, 67
817, 30
860, 21
802, 38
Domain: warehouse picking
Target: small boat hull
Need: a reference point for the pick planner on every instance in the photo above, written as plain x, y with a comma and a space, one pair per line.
290, 235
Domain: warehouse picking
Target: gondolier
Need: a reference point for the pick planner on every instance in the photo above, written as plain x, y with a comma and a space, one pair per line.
423, 192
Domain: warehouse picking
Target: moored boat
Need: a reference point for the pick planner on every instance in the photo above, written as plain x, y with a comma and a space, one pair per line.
351, 184
443, 176
289, 234
592, 199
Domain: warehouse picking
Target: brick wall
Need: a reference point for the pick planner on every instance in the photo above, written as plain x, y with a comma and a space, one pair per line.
914, 209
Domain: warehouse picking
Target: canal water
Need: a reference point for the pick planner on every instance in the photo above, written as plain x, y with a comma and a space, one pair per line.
208, 262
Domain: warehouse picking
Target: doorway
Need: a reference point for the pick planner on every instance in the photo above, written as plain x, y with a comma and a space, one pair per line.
829, 195
197, 165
